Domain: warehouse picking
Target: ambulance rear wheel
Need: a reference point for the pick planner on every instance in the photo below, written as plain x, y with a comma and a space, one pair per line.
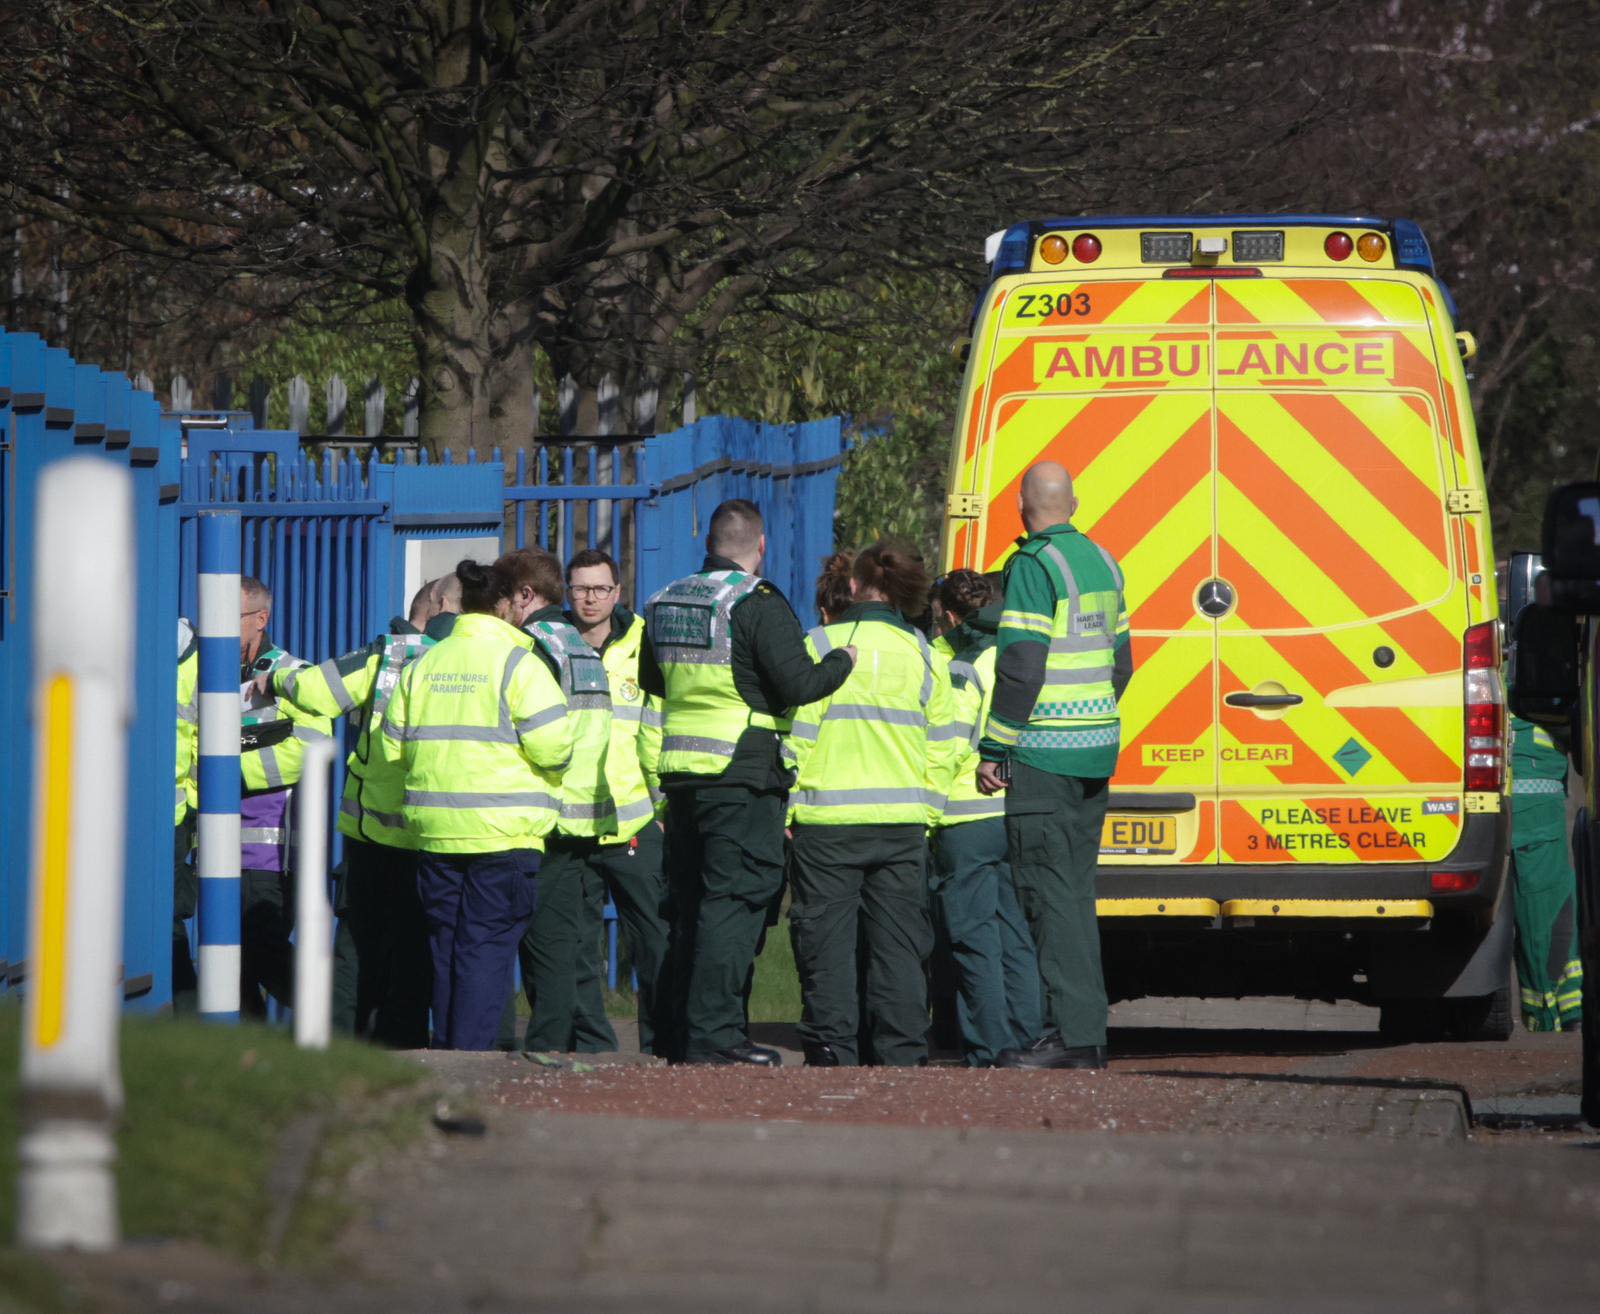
1482, 1017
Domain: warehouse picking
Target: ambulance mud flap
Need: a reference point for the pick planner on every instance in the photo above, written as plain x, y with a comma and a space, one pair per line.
1457, 958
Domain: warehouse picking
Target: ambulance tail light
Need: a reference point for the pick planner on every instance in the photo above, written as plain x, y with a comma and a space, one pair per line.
1486, 711
1086, 248
1338, 246
1452, 882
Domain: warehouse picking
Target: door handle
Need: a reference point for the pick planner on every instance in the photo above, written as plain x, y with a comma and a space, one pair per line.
1263, 700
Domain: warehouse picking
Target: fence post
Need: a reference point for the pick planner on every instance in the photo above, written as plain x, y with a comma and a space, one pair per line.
313, 932
217, 826
182, 394
338, 404
299, 404
376, 396
71, 1075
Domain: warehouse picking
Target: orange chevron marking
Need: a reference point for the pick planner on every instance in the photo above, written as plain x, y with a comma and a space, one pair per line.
1238, 826
1410, 501
1303, 520
1187, 715
1075, 445
1104, 300
1160, 488
1334, 301
1171, 606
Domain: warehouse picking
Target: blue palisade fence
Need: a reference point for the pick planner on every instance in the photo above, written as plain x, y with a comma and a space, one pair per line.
341, 540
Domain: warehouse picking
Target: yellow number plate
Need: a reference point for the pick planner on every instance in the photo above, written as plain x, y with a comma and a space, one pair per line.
1139, 835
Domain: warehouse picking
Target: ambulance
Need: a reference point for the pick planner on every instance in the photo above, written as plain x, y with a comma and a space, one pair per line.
1267, 421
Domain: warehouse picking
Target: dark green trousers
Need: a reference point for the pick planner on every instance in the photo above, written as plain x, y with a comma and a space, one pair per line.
1545, 893
266, 957
998, 1001
724, 862
869, 882
383, 969
185, 900
1053, 828
560, 954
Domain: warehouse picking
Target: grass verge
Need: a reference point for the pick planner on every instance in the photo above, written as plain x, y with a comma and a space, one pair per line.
200, 1148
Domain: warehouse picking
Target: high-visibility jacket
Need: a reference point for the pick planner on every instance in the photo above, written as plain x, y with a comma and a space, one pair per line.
481, 727
1076, 608
633, 762
587, 808
971, 689
188, 794
360, 684
872, 751
268, 773
691, 630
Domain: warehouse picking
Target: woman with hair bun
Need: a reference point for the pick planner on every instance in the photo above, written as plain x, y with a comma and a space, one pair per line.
833, 587
481, 728
860, 812
998, 1004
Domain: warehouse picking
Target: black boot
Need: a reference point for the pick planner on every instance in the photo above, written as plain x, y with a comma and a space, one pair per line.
821, 1056
1049, 1052
745, 1052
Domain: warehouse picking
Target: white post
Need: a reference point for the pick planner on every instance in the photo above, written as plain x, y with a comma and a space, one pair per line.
71, 1069
313, 934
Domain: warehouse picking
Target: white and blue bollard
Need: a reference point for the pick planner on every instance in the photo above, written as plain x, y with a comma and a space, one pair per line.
313, 935
217, 825
82, 706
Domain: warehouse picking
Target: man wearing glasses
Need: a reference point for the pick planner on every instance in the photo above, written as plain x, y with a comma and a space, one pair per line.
626, 865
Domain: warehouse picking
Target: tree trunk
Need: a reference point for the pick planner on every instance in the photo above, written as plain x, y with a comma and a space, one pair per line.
448, 295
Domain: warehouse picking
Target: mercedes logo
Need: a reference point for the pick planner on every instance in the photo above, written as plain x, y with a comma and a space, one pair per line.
1215, 598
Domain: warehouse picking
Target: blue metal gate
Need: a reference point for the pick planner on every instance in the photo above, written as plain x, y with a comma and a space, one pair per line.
341, 543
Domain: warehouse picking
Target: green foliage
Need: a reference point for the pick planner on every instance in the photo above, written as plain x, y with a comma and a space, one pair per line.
206, 1106
883, 361
358, 345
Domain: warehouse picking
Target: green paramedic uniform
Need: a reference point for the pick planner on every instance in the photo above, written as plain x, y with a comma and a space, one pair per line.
1545, 885
607, 808
866, 758
1064, 658
726, 655
998, 1003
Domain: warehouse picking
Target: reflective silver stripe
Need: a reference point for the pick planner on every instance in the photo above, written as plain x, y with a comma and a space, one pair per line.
1067, 643
182, 795
262, 715
330, 673
627, 712
867, 712
1537, 785
955, 730
189, 713
588, 811
546, 717
351, 808
269, 768
964, 729
466, 802
1054, 553
635, 811
261, 835
389, 732
820, 640
974, 807
805, 730
842, 798
927, 663
1079, 675
693, 744
653, 717
513, 660
1111, 564
968, 672
472, 734
689, 657
310, 735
